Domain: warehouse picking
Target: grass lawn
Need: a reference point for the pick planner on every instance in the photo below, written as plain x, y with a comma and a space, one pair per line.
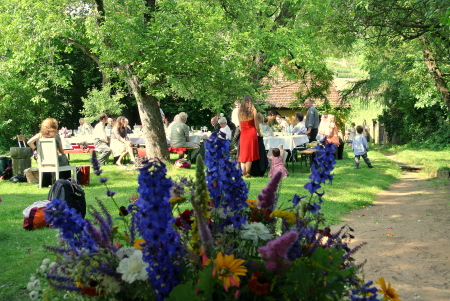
21, 251
433, 160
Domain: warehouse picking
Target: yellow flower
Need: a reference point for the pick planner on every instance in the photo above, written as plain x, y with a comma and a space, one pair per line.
287, 215
228, 270
389, 292
176, 200
137, 243
251, 203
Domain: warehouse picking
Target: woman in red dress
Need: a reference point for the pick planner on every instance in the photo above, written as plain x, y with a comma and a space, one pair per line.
248, 141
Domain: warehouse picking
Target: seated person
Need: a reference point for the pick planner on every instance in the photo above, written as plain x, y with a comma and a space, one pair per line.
282, 123
49, 129
84, 128
179, 133
300, 127
224, 127
101, 140
266, 130
120, 143
215, 124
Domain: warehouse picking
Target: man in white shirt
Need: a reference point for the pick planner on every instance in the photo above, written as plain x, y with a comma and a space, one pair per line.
101, 140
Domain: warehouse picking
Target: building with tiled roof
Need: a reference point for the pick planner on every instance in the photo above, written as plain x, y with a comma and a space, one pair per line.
283, 93
283, 96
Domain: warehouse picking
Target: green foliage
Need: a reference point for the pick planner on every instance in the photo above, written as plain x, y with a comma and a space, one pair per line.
102, 100
324, 267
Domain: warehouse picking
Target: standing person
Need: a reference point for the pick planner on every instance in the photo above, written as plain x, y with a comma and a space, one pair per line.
277, 164
248, 141
351, 134
360, 147
101, 140
120, 143
332, 136
312, 120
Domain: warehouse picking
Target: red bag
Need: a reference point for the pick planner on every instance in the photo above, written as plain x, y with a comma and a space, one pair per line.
83, 175
35, 220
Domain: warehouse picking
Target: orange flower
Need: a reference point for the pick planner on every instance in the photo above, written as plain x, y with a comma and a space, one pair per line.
259, 284
228, 270
389, 292
251, 203
137, 243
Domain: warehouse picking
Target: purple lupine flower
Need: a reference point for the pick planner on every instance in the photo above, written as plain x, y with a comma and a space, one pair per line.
267, 198
153, 220
96, 164
275, 252
226, 187
103, 180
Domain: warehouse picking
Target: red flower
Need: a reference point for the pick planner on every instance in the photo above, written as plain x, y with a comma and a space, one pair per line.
259, 284
186, 216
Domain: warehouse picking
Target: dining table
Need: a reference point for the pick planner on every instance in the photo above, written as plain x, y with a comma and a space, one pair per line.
194, 136
288, 141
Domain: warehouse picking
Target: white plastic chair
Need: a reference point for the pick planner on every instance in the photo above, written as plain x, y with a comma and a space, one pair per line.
21, 141
48, 159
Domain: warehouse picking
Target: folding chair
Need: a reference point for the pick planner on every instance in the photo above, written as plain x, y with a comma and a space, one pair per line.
48, 159
21, 141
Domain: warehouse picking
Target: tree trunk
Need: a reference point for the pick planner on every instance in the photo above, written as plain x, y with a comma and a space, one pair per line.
435, 72
152, 126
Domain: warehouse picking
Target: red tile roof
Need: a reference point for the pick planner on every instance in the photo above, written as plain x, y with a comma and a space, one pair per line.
283, 92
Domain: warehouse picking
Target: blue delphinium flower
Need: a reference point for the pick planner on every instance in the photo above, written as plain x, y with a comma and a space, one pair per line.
321, 169
153, 220
361, 293
227, 189
72, 225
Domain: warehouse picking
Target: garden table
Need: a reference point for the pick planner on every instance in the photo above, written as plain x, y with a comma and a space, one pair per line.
289, 142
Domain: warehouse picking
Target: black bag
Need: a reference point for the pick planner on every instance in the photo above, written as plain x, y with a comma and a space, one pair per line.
5, 162
7, 174
71, 192
18, 178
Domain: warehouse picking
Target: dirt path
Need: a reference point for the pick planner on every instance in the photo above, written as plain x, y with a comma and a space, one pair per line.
408, 237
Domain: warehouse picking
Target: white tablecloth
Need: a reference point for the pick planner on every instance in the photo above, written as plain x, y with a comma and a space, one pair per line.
288, 142
78, 139
193, 137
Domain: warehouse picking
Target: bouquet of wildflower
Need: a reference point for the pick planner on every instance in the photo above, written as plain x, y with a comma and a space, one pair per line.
223, 246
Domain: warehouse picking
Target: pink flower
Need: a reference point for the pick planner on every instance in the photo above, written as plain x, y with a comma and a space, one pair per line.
274, 253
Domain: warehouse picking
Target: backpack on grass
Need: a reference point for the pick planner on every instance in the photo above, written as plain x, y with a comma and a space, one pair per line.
71, 192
